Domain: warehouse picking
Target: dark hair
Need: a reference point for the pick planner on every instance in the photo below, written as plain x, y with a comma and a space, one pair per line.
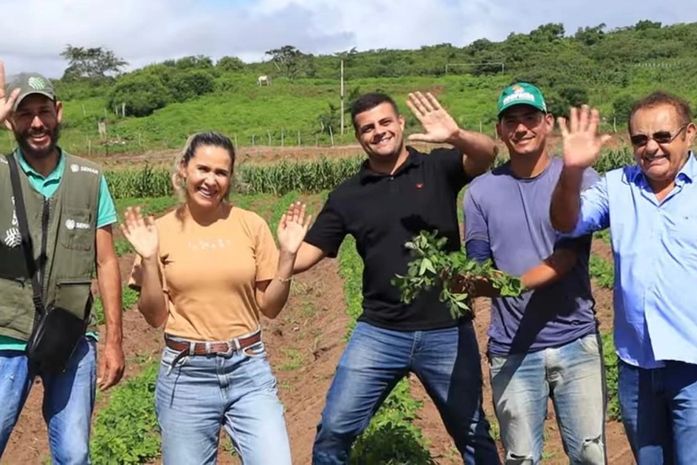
662, 98
201, 139
369, 101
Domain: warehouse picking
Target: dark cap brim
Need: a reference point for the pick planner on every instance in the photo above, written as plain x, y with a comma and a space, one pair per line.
27, 94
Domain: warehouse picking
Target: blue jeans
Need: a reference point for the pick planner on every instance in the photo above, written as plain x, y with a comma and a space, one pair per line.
572, 375
446, 361
202, 392
67, 405
659, 412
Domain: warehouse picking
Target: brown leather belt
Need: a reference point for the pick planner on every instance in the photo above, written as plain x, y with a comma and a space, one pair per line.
218, 347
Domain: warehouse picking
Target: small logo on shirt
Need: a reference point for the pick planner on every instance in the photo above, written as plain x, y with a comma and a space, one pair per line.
209, 244
419, 185
72, 224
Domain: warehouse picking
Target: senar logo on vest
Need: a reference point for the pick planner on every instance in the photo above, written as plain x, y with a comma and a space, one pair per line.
72, 224
75, 168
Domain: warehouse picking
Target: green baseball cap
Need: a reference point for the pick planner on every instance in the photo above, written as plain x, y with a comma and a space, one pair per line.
521, 93
31, 83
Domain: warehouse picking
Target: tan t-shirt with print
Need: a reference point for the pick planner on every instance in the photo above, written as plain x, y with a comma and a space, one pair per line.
210, 273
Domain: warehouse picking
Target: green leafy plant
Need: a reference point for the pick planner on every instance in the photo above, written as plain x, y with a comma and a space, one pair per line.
453, 271
602, 271
611, 377
126, 431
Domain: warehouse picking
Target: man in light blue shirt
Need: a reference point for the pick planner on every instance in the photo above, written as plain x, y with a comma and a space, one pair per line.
651, 208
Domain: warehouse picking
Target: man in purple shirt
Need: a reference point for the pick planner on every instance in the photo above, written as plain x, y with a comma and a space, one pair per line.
543, 343
651, 208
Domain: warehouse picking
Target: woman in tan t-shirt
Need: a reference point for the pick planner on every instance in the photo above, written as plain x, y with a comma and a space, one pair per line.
205, 271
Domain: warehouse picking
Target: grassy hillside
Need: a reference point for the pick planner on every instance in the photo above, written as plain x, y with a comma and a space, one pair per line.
606, 68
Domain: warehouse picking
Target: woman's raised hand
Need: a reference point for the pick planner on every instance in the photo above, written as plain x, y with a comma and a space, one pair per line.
141, 232
292, 227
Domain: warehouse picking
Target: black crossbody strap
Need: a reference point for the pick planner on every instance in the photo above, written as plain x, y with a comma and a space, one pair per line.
24, 232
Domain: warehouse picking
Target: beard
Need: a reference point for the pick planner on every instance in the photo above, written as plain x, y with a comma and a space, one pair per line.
23, 140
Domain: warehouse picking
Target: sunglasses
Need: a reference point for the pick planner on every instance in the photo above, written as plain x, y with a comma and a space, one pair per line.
661, 137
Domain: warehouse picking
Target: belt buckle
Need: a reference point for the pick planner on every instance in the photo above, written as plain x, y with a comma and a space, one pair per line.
231, 348
236, 344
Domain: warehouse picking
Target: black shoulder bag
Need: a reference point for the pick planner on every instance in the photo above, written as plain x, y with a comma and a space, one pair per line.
56, 331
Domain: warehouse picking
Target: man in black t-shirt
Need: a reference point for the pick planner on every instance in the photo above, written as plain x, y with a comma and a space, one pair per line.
397, 193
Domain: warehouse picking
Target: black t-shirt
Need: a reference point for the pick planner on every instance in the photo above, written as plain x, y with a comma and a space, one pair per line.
382, 212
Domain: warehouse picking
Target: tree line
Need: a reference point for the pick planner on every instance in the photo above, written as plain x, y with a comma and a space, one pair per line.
566, 64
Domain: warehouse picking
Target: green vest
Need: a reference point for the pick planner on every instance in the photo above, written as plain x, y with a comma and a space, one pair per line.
67, 224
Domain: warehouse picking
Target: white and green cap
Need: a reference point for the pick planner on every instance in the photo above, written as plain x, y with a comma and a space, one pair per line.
521, 93
31, 83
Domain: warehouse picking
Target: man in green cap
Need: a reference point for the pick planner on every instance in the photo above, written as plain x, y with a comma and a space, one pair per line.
543, 343
69, 215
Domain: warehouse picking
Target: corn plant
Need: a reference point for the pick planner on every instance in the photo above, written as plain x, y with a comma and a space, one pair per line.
144, 182
612, 159
308, 176
278, 178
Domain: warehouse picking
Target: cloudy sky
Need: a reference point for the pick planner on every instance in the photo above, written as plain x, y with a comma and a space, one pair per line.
146, 31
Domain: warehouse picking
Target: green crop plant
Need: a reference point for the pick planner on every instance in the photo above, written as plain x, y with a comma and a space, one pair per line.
306, 176
610, 361
144, 182
278, 178
612, 159
126, 431
602, 271
454, 272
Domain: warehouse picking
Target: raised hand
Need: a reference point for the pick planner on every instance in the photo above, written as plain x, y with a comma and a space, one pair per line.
438, 125
582, 143
292, 227
6, 102
141, 232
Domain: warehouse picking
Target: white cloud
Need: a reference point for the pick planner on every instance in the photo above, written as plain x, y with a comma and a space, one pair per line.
143, 32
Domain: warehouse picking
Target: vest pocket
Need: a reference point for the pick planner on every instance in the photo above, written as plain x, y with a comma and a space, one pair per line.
16, 308
74, 295
76, 229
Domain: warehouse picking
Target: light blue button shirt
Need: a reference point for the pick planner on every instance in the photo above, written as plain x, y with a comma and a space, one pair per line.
655, 249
